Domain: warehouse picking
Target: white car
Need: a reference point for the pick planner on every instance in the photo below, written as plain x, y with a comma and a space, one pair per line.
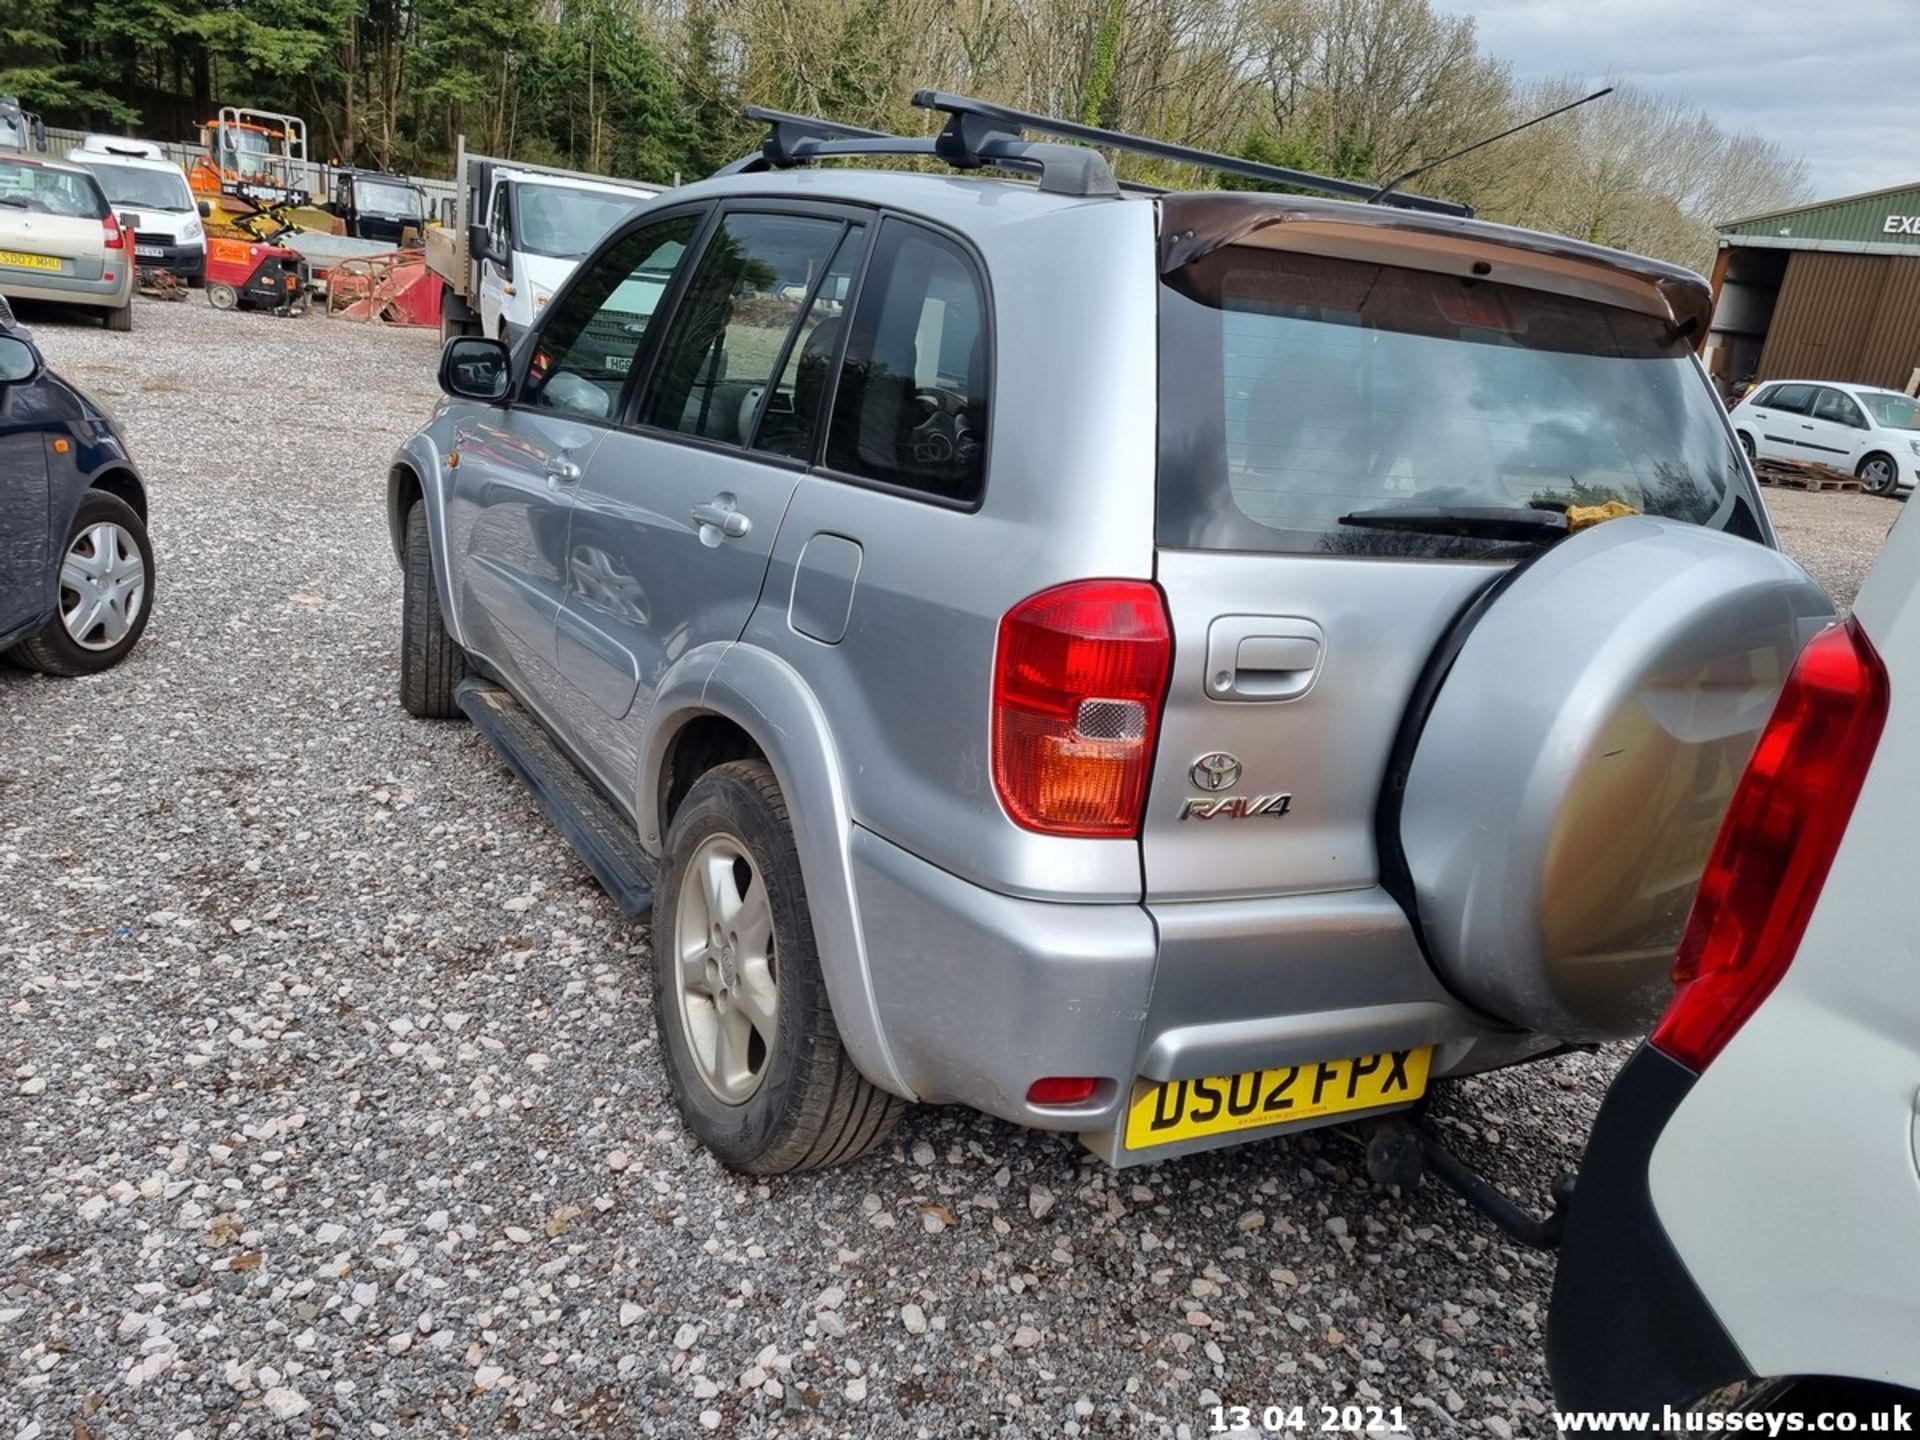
61, 241
1862, 429
1746, 1222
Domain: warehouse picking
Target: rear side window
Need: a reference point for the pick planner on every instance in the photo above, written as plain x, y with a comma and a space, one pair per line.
42, 191
1297, 389
912, 405
1796, 398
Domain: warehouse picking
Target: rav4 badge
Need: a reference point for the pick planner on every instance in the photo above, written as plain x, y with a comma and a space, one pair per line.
1236, 807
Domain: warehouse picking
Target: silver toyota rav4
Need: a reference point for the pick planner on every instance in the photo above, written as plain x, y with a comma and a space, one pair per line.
1165, 667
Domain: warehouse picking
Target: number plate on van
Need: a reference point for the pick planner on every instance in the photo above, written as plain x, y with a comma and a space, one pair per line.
1162, 1112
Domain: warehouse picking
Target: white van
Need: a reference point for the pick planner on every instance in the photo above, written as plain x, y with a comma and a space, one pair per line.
538, 227
146, 188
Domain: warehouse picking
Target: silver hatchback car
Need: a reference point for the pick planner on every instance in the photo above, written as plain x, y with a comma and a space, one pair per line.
1142, 665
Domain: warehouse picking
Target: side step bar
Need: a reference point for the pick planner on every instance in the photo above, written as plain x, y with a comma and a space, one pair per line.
601, 835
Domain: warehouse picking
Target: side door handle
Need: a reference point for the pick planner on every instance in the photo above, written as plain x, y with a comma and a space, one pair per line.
719, 518
563, 471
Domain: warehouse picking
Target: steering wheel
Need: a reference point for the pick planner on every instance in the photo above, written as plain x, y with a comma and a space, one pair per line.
942, 434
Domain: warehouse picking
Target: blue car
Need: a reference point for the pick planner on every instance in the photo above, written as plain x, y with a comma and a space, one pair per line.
76, 567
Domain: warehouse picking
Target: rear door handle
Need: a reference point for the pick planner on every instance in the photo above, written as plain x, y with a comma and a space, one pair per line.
563, 471
719, 514
1262, 657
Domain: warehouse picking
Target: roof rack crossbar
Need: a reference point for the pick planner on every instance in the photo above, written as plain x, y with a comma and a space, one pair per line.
786, 130
798, 139
970, 121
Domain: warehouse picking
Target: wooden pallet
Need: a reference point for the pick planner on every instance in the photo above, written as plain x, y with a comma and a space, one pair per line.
1811, 475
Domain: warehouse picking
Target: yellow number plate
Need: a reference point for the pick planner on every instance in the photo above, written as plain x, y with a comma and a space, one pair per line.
1162, 1112
28, 262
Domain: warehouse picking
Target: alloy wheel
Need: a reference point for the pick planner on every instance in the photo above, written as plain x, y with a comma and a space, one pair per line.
725, 958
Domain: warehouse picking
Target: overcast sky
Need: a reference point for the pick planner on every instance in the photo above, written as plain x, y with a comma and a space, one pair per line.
1836, 80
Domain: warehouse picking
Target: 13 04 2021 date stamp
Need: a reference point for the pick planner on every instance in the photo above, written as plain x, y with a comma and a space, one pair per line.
1365, 1420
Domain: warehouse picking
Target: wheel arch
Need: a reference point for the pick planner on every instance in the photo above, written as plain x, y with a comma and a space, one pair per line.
722, 702
122, 483
404, 491
414, 476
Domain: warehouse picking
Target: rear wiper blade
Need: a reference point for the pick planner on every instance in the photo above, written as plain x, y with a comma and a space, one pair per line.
1477, 522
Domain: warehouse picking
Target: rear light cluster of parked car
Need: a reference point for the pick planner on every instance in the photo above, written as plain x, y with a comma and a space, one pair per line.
1080, 674
1777, 843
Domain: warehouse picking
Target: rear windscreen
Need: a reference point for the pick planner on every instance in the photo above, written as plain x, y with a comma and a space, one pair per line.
39, 190
1297, 389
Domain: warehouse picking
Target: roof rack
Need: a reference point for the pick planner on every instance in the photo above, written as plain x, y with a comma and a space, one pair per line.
967, 116
798, 139
980, 133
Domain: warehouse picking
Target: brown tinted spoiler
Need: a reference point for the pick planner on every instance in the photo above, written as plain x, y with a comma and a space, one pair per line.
1195, 225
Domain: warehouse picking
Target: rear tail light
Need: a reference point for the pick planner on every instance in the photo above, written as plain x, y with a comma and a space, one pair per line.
116, 237
1777, 843
1078, 681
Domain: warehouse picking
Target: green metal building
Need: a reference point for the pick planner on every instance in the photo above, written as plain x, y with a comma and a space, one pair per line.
1829, 291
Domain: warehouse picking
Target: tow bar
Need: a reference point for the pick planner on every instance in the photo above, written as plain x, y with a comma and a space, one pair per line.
1400, 1151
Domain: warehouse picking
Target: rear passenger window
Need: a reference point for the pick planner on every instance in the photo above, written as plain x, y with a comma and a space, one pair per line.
727, 337
912, 405
792, 412
1796, 398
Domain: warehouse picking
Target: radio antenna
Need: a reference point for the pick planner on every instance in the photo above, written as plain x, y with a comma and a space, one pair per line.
1426, 165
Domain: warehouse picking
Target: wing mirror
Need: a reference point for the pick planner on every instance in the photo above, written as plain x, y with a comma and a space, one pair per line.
19, 362
205, 207
474, 367
477, 241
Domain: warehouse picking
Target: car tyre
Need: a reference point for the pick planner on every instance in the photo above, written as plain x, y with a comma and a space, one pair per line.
432, 665
121, 321
1878, 473
106, 535
794, 1101
1746, 444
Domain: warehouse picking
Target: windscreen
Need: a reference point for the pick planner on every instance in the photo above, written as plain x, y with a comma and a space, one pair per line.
1894, 411
1299, 389
384, 197
143, 189
42, 191
551, 220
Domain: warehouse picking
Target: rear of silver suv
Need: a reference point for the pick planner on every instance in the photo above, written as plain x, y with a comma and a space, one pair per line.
1180, 667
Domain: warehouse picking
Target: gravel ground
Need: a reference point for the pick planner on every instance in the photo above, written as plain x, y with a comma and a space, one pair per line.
332, 1102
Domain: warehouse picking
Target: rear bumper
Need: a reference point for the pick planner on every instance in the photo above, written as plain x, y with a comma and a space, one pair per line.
1629, 1328
980, 994
67, 290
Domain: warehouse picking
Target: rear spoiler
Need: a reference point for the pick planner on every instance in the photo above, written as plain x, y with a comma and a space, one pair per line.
1195, 225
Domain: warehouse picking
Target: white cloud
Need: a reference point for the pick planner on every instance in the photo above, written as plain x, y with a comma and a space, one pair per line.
1837, 82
